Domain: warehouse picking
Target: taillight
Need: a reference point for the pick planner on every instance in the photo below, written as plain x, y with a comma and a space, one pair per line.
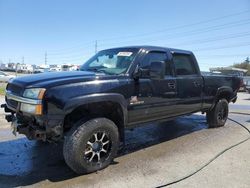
241, 83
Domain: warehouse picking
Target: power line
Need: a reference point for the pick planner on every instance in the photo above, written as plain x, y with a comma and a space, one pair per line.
70, 49
181, 26
159, 31
197, 50
223, 57
222, 47
45, 58
238, 35
189, 33
183, 34
70, 58
96, 46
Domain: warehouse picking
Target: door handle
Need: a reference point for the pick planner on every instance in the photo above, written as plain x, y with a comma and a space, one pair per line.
196, 84
171, 85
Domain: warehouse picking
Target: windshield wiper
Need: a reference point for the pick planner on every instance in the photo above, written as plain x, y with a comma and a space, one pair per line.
98, 71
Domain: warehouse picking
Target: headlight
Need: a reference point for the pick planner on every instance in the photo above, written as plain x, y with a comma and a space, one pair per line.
34, 93
31, 108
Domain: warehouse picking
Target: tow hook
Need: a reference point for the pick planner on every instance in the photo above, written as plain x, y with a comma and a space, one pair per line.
9, 118
6, 109
14, 125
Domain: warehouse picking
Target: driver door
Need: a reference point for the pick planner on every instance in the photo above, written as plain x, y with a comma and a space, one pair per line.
153, 99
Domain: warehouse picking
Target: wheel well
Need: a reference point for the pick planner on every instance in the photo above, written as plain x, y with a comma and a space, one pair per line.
224, 95
109, 110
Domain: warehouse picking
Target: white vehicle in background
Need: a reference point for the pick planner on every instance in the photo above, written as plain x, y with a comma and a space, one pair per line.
248, 86
55, 69
41, 70
69, 67
4, 77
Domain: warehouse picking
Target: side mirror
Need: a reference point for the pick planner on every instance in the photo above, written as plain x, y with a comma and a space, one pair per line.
157, 70
137, 73
140, 73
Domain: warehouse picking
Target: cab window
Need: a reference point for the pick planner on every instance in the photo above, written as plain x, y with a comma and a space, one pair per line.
184, 65
156, 56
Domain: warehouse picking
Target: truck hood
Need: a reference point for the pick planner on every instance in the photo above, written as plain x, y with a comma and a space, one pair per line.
54, 78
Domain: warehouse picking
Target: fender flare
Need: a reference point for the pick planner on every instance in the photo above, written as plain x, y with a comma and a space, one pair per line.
223, 89
76, 102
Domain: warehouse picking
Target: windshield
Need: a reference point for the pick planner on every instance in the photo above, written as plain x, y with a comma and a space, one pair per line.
113, 61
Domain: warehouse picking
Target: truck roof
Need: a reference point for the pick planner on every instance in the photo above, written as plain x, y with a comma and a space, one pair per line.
156, 48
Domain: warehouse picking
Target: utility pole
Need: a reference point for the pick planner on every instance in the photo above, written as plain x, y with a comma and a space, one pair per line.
22, 60
45, 58
95, 46
17, 66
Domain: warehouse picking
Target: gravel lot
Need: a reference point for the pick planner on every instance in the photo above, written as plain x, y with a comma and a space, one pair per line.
154, 155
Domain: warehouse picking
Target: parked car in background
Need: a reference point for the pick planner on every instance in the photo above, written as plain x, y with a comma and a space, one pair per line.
248, 86
69, 67
4, 77
41, 70
246, 80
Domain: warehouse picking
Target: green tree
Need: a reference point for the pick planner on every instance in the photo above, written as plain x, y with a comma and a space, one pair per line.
247, 61
244, 65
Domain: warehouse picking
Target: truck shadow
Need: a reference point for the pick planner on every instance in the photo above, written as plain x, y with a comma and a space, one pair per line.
26, 162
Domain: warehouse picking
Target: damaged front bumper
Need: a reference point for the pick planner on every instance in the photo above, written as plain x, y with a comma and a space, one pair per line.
45, 128
32, 133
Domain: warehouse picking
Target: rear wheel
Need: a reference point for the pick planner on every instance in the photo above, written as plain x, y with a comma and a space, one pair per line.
217, 117
91, 146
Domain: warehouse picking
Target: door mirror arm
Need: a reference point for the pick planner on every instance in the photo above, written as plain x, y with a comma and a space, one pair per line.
137, 73
155, 72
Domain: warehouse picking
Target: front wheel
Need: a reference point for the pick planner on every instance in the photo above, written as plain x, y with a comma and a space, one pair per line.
217, 117
91, 146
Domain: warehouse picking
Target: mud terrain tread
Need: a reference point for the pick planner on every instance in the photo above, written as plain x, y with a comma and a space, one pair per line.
75, 137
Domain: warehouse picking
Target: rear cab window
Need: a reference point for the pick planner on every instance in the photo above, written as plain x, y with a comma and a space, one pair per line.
184, 64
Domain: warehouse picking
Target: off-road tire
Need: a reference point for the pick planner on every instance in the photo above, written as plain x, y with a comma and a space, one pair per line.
217, 117
77, 140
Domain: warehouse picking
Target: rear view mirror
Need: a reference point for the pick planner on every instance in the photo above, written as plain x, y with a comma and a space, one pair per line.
157, 70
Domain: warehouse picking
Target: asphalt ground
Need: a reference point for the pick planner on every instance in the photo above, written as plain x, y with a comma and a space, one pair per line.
154, 156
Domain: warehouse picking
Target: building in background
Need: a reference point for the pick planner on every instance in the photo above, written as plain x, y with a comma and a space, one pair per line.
54, 68
29, 69
229, 71
24, 68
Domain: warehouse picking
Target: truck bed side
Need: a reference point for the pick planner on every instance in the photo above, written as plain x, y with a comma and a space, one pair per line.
218, 85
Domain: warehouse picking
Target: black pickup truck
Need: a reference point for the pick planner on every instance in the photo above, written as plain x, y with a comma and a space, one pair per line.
116, 89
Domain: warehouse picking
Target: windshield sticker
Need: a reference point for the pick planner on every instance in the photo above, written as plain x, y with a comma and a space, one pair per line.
125, 54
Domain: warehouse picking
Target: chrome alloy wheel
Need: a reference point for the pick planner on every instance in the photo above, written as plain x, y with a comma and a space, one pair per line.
222, 114
97, 148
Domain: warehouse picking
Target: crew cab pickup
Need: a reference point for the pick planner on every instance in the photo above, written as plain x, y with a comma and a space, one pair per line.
115, 89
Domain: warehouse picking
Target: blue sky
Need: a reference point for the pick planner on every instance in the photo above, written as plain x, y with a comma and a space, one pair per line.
218, 32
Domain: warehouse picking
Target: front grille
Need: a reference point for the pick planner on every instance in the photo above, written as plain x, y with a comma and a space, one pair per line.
12, 103
15, 89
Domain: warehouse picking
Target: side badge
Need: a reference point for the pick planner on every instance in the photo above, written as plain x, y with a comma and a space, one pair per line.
134, 100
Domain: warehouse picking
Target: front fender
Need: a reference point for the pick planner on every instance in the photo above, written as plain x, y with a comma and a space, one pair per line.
75, 102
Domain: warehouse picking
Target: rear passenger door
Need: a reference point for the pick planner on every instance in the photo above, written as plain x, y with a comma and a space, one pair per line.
189, 83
